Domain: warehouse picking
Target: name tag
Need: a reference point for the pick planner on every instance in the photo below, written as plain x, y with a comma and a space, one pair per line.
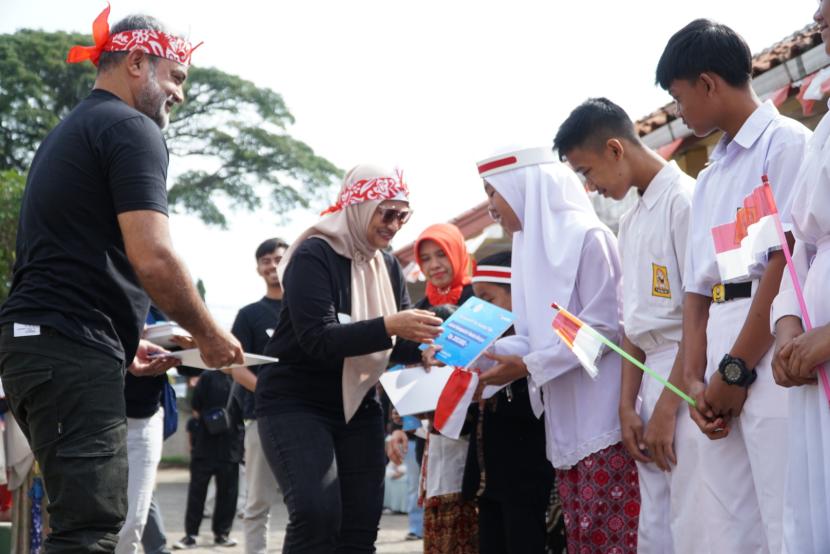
23, 330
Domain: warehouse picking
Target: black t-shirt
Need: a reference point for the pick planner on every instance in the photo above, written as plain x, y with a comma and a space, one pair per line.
142, 395
71, 272
253, 327
313, 336
212, 391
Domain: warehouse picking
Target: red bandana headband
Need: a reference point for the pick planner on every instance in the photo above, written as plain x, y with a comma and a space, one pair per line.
492, 274
376, 188
155, 43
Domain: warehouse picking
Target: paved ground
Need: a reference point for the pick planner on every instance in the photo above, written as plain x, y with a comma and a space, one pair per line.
172, 494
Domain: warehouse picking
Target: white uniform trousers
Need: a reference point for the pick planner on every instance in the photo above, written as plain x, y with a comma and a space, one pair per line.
743, 474
144, 441
670, 502
807, 497
263, 492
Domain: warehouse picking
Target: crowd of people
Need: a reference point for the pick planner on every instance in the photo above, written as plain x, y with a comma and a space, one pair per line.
557, 460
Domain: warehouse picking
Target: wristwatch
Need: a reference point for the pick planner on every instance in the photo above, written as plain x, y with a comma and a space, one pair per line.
734, 372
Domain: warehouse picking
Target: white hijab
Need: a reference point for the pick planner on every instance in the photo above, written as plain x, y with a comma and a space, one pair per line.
371, 289
555, 214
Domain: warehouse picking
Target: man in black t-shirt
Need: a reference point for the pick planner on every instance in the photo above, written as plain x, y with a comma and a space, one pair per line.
254, 325
93, 237
215, 454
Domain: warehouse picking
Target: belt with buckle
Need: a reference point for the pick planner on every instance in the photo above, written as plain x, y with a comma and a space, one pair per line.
730, 291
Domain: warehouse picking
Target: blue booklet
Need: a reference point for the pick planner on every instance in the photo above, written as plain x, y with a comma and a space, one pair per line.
469, 331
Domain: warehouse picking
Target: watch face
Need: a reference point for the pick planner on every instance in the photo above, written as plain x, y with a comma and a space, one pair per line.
732, 372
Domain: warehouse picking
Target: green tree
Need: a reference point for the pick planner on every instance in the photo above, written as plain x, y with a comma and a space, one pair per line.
11, 192
235, 132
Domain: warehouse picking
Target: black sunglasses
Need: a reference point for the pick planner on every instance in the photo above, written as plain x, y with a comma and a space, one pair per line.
388, 215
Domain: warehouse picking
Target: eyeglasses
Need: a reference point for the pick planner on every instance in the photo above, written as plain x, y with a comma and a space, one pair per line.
388, 215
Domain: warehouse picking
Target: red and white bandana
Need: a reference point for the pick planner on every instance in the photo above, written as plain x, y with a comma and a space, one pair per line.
375, 188
155, 43
492, 274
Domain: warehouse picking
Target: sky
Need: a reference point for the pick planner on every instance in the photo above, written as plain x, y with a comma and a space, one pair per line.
429, 86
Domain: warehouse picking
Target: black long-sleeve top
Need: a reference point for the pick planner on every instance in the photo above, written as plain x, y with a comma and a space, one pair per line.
314, 334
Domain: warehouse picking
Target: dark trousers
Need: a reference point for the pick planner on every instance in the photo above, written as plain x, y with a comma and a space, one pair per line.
331, 474
510, 528
69, 402
227, 489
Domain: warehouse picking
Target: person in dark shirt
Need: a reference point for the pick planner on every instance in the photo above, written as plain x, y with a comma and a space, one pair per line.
214, 455
507, 469
254, 326
145, 435
318, 416
93, 237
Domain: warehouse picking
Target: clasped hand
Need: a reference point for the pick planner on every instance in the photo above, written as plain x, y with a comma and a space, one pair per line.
798, 355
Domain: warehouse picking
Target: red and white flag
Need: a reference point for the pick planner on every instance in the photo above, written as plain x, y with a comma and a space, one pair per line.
750, 238
451, 410
583, 341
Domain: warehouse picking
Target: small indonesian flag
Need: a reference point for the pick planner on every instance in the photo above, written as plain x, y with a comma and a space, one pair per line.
746, 241
583, 341
451, 410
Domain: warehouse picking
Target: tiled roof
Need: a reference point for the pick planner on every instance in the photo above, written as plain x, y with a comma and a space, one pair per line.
780, 52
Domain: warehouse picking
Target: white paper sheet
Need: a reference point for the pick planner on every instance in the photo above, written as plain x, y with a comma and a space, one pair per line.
413, 390
192, 358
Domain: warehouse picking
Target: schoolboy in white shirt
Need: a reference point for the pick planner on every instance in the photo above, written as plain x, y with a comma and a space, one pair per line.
599, 141
706, 67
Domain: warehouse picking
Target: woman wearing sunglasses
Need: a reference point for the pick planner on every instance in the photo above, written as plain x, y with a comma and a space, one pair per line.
345, 303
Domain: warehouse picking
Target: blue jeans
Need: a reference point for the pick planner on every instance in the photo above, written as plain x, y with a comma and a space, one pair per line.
413, 479
331, 474
154, 541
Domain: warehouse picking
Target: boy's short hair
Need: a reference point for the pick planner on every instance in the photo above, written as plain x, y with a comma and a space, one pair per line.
269, 246
592, 123
705, 46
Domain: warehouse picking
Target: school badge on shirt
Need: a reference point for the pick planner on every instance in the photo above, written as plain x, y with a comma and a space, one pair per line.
660, 281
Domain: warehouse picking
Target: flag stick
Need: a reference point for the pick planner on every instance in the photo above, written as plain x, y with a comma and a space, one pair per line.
626, 355
805, 317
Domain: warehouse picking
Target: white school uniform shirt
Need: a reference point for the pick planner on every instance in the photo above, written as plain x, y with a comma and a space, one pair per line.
652, 242
810, 217
767, 144
807, 494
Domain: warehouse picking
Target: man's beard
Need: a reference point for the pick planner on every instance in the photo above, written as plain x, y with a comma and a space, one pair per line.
151, 101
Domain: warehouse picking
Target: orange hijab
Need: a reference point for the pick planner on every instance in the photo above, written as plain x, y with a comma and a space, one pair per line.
451, 241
